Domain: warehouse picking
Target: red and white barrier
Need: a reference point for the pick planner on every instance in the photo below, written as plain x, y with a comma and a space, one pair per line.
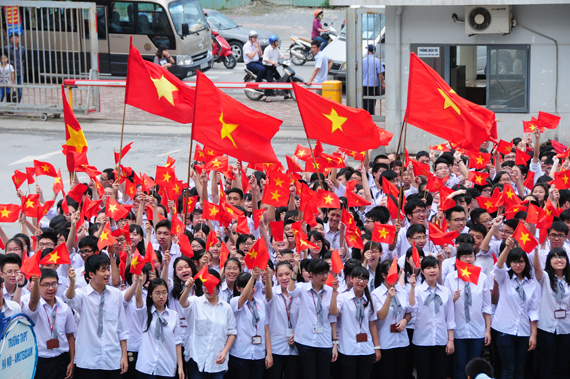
238, 85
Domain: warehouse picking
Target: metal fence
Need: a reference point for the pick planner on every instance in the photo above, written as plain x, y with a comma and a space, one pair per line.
44, 43
365, 26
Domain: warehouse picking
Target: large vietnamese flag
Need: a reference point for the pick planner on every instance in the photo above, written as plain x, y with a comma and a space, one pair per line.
153, 89
434, 106
226, 125
337, 124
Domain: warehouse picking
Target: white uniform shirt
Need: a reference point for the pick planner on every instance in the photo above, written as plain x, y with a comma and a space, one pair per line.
93, 352
513, 315
134, 327
349, 326
389, 340
210, 326
249, 48
243, 347
332, 237
480, 303
271, 54
10, 308
431, 327
308, 316
157, 357
279, 317
546, 320
64, 324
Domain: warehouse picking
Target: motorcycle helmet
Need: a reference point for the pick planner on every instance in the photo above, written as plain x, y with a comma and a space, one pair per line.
318, 12
273, 38
253, 33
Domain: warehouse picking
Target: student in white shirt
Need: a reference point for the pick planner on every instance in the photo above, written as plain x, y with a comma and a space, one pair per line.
316, 335
9, 307
212, 324
516, 316
435, 322
14, 279
553, 340
101, 335
161, 344
472, 304
393, 311
54, 327
359, 346
251, 353
283, 315
230, 272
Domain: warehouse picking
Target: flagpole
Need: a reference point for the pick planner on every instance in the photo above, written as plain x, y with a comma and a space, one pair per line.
404, 122
187, 194
401, 194
315, 164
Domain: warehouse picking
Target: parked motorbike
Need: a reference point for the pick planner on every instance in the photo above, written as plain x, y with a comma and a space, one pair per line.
222, 51
287, 76
300, 49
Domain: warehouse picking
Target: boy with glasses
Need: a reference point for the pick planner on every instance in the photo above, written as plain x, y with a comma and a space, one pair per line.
14, 279
8, 307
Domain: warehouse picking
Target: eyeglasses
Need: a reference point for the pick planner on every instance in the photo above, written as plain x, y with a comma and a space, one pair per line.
85, 251
459, 219
518, 263
323, 274
13, 250
556, 257
420, 211
12, 272
360, 279
49, 285
557, 236
44, 245
471, 256
488, 221
368, 221
420, 238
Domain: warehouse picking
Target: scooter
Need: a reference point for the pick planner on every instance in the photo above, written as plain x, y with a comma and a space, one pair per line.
287, 76
222, 51
300, 50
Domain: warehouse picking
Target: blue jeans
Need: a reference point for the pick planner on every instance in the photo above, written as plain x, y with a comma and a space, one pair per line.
258, 69
322, 41
5, 90
195, 373
513, 351
465, 350
553, 350
20, 90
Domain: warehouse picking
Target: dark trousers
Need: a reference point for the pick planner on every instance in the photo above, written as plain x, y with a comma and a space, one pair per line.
322, 41
195, 373
410, 361
55, 367
20, 90
315, 361
258, 69
513, 351
554, 350
271, 74
392, 364
431, 362
465, 350
132, 359
370, 104
141, 375
245, 368
284, 367
84, 373
356, 366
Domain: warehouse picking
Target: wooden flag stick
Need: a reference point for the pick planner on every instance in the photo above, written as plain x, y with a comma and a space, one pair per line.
315, 164
121, 146
187, 192
401, 187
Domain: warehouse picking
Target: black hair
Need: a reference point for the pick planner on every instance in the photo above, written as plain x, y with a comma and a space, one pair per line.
415, 229
163, 223
557, 252
379, 213
479, 228
243, 238
476, 213
478, 366
515, 255
318, 237
241, 280
421, 153
450, 211
412, 204
10, 258
147, 268
317, 266
88, 241
408, 269
94, 263
178, 286
26, 238
110, 173
204, 228
283, 263
139, 230
49, 234
235, 190
17, 242
349, 265
362, 272
316, 43
45, 252
464, 249
559, 226
149, 303
464, 238
48, 273
429, 261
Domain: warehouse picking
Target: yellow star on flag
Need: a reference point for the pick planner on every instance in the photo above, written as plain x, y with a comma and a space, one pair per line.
448, 102
57, 180
216, 163
383, 233
328, 199
113, 208
46, 168
337, 121
488, 204
302, 153
53, 257
104, 236
510, 194
565, 178
29, 204
352, 238
479, 159
227, 130
167, 177
214, 211
478, 179
164, 89
76, 139
253, 254
465, 272
439, 147
275, 195
279, 182
524, 238
5, 212
135, 262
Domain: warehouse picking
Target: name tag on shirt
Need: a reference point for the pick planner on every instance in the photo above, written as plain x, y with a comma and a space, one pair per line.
361, 337
52, 344
560, 313
256, 340
288, 332
318, 329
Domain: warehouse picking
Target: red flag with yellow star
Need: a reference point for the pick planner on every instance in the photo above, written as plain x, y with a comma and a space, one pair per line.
303, 153
9, 212
525, 238
165, 176
479, 178
383, 233
19, 178
44, 168
106, 238
137, 263
59, 256
522, 157
478, 160
155, 90
353, 200
303, 243
505, 147
434, 106
75, 141
353, 238
209, 281
30, 204
441, 147
466, 272
219, 164
328, 199
211, 211
274, 195
58, 182
257, 255
487, 203
337, 124
115, 210
225, 124
562, 180
530, 126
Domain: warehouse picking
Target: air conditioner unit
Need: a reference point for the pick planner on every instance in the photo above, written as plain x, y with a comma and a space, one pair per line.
488, 19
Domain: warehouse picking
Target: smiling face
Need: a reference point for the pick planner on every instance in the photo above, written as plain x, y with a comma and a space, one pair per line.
559, 261
101, 276
48, 288
183, 271
430, 273
232, 270
283, 275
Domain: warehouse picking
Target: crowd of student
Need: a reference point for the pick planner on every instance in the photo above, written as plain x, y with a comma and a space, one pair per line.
96, 319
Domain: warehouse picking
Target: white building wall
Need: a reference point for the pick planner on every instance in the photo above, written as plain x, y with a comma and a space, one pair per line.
434, 25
